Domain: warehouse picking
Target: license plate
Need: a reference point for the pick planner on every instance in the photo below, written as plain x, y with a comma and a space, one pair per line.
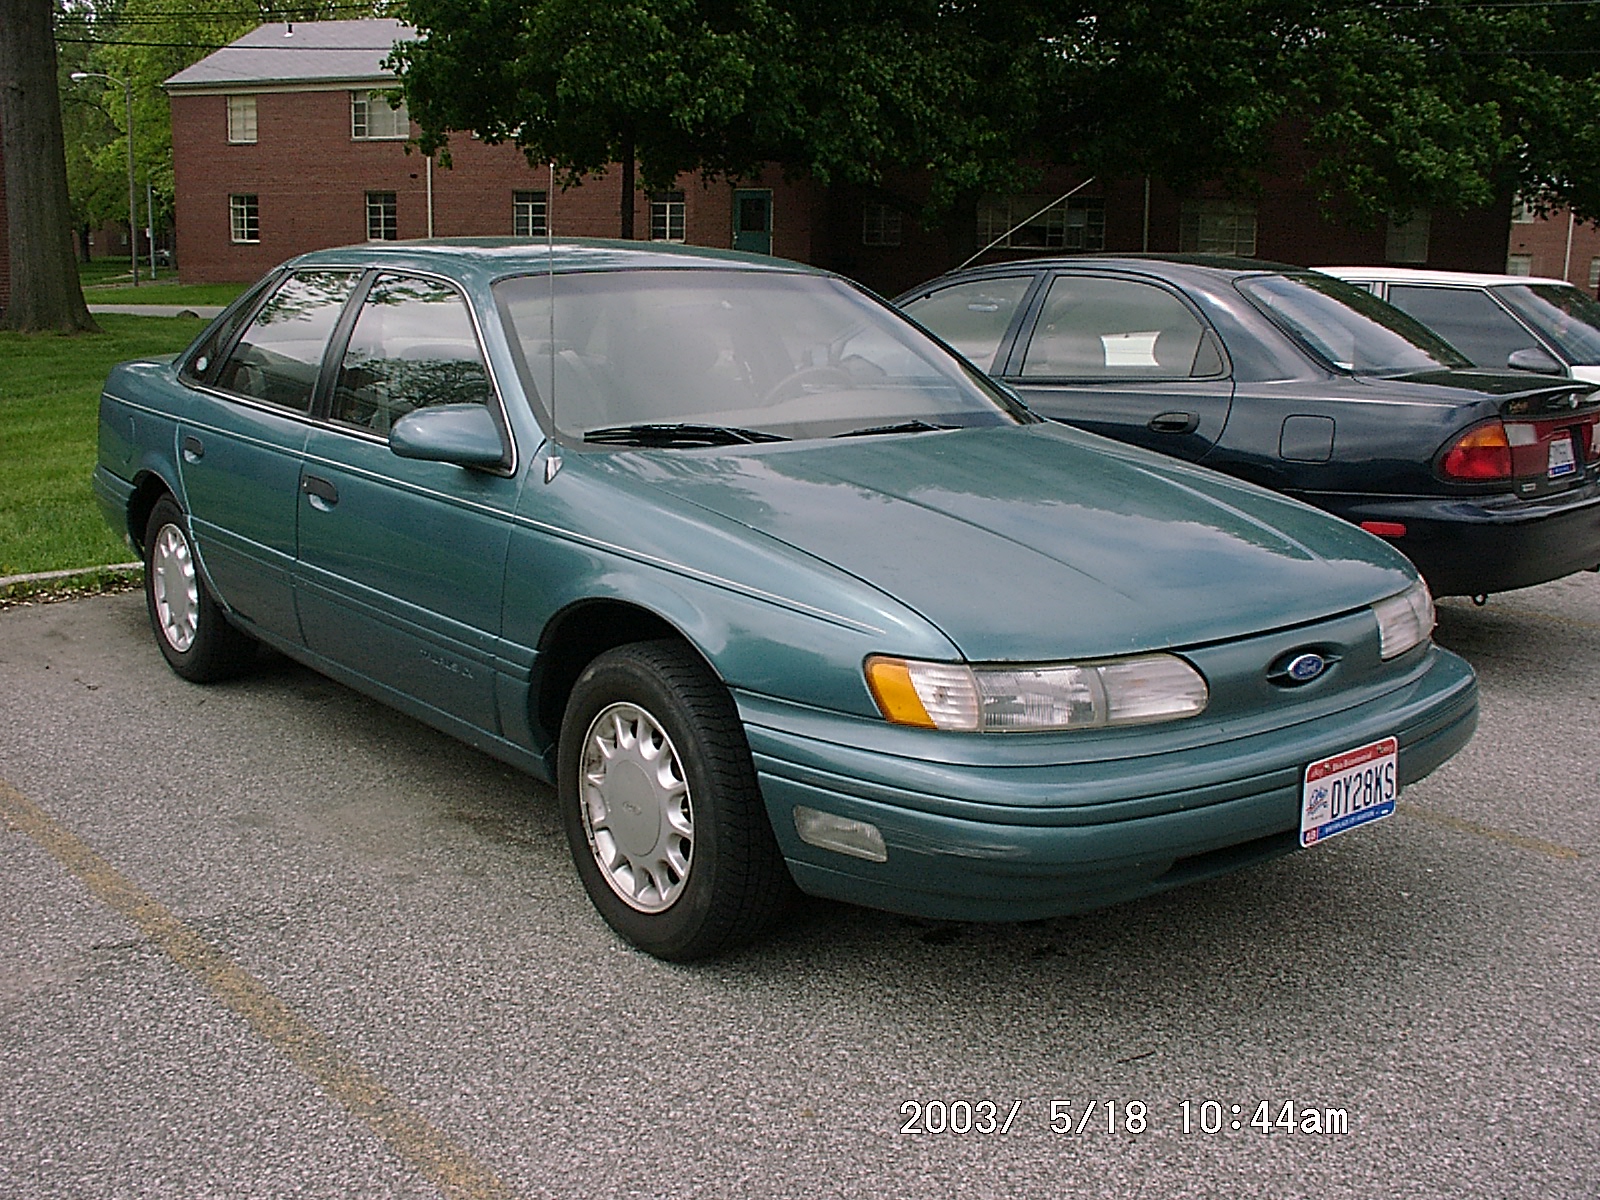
1349, 790
1563, 458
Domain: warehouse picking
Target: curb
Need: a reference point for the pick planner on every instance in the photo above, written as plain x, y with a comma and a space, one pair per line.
84, 579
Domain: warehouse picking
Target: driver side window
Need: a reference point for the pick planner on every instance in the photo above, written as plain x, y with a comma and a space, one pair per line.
413, 346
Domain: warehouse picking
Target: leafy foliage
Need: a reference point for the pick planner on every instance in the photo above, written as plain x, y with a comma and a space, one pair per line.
1419, 103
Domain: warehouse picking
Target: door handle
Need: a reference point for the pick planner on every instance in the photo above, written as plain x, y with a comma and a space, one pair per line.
322, 494
1174, 422
193, 448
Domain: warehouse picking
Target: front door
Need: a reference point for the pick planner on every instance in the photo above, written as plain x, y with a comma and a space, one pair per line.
752, 220
402, 562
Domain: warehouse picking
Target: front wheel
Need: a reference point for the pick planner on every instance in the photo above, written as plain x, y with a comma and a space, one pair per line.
662, 812
190, 627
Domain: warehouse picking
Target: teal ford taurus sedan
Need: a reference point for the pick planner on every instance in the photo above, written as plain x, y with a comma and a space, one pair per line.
773, 588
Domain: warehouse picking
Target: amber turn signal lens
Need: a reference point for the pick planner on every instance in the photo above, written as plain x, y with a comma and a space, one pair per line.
1480, 455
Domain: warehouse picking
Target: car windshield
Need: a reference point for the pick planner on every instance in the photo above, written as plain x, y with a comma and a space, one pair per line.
1568, 317
686, 357
1349, 327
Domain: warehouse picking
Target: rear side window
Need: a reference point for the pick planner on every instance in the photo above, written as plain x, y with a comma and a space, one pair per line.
279, 356
1468, 319
972, 317
413, 346
1094, 328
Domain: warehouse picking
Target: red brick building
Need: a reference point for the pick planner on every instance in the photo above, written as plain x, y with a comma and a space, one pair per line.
284, 141
1557, 246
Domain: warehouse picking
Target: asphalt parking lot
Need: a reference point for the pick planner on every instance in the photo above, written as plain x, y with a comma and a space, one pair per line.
269, 939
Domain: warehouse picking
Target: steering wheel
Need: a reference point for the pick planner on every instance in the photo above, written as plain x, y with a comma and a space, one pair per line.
792, 382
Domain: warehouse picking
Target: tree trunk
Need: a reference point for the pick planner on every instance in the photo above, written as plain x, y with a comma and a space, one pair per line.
45, 292
628, 153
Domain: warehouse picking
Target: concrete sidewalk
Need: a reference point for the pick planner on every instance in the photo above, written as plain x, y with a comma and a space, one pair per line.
205, 311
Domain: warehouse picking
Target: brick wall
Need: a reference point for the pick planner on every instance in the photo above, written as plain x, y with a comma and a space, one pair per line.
311, 180
1544, 244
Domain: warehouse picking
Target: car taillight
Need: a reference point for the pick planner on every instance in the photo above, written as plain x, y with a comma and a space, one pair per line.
1480, 455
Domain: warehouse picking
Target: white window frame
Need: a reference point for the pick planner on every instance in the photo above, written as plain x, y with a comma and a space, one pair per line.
668, 215
1076, 223
1407, 238
880, 225
244, 218
1519, 264
385, 207
1217, 227
530, 210
241, 120
373, 120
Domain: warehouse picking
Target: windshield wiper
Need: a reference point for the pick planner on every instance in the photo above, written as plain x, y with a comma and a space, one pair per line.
678, 434
913, 426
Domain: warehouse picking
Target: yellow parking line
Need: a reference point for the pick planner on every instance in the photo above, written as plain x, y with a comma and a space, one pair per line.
404, 1130
1536, 845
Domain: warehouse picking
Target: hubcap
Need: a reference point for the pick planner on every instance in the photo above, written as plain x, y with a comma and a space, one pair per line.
174, 588
636, 809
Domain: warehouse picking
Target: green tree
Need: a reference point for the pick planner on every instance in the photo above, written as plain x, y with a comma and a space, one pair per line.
45, 293
1417, 103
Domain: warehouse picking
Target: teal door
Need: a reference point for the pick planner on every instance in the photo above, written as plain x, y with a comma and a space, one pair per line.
752, 221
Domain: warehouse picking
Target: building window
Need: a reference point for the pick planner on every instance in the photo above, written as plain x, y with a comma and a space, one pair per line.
241, 119
1523, 212
1519, 264
666, 217
372, 118
383, 217
1217, 227
528, 214
244, 218
1408, 238
1072, 224
1594, 273
880, 225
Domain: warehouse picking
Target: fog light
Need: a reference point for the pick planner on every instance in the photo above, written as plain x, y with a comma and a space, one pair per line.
859, 839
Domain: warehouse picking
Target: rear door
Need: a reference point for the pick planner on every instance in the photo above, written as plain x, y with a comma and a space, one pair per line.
1130, 358
240, 446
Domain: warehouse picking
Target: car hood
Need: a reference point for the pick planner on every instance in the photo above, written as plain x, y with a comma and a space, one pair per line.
1036, 542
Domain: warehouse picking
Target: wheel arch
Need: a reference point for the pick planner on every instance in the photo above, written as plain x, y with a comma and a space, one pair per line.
574, 638
148, 489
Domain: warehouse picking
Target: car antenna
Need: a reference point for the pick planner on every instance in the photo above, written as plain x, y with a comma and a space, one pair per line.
552, 461
1024, 221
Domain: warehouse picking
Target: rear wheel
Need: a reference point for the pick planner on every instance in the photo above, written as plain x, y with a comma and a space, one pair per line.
662, 812
190, 627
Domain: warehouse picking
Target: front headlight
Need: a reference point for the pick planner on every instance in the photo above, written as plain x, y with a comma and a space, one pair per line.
1404, 621
1055, 696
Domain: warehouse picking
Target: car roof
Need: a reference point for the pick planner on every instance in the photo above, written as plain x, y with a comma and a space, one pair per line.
1441, 278
1175, 267
496, 258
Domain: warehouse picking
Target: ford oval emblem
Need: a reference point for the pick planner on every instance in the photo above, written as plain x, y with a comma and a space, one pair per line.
1303, 668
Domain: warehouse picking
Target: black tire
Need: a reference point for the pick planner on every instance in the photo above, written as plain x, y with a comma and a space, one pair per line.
190, 627
713, 879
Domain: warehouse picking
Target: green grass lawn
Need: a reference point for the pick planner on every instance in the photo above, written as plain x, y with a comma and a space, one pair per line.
109, 281
49, 418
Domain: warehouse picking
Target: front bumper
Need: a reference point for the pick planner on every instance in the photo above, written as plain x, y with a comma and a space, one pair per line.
1475, 546
1009, 829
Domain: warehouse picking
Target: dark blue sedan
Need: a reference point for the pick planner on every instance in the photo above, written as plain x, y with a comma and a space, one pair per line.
1301, 383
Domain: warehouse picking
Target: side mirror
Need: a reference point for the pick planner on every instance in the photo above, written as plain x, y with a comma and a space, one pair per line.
1535, 359
463, 434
